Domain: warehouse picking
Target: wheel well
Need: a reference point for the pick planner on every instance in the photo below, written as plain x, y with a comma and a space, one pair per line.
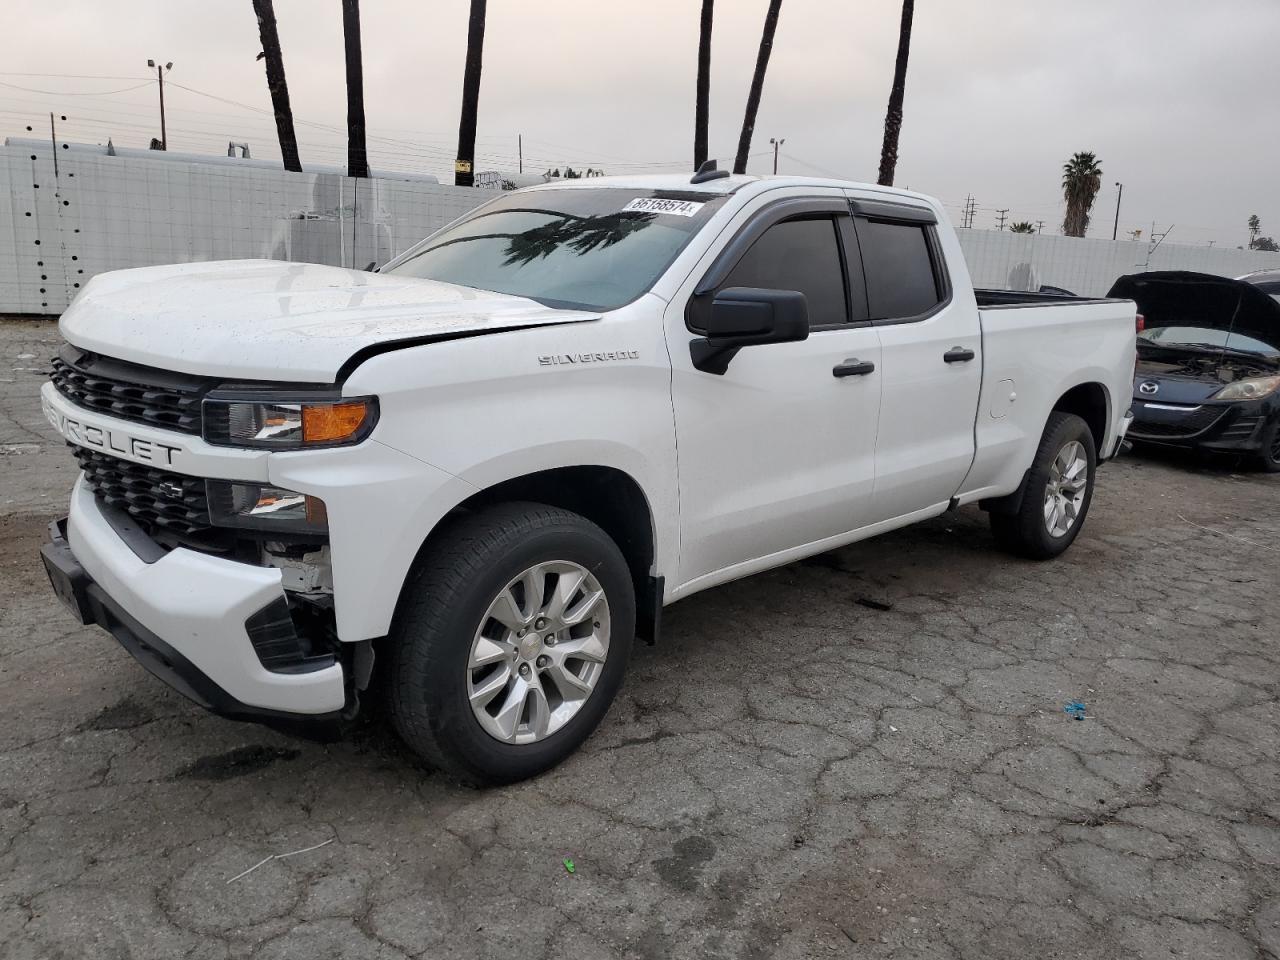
1088, 401
608, 498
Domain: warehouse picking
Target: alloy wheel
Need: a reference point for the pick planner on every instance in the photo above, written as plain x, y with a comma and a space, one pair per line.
539, 652
1065, 491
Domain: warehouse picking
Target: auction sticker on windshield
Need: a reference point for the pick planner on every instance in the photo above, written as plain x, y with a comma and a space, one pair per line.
678, 208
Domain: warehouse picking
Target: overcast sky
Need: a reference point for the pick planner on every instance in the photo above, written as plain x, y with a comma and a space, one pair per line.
1176, 97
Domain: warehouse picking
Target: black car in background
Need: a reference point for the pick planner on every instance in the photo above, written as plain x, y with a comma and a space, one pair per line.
1208, 373
1268, 281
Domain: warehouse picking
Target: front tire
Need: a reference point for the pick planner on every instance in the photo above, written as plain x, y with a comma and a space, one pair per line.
1058, 492
511, 640
1269, 456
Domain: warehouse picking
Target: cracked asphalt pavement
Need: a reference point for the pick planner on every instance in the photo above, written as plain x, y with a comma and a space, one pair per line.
865, 755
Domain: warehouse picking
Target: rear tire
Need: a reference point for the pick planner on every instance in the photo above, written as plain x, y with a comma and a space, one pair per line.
482, 700
1058, 492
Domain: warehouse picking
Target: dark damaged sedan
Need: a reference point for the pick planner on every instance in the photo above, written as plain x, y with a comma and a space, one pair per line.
1208, 373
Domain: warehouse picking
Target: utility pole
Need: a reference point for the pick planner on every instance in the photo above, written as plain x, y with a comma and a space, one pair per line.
1039, 226
520, 149
1004, 215
160, 72
777, 145
1116, 229
970, 206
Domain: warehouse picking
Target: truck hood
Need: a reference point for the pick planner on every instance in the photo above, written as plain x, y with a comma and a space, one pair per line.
268, 320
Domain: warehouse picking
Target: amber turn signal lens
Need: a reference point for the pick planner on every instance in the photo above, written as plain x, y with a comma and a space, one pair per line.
332, 422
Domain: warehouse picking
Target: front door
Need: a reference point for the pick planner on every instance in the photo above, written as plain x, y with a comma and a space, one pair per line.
779, 451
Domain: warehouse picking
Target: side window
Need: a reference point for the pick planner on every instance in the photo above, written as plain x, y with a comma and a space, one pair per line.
799, 255
901, 281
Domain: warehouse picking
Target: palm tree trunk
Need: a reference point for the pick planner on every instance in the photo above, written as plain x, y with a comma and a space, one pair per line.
277, 85
701, 102
757, 86
893, 118
357, 155
464, 172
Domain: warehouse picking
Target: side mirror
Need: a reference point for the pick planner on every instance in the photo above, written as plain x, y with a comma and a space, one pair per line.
747, 316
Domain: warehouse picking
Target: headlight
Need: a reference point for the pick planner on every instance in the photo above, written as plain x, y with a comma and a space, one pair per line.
288, 423
1255, 388
262, 507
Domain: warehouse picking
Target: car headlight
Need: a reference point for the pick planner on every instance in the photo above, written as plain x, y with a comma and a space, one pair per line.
288, 423
1255, 388
265, 508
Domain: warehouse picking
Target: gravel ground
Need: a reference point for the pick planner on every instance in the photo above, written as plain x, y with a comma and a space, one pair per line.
864, 755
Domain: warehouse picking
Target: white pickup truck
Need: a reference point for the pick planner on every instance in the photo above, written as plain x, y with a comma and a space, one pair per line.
467, 481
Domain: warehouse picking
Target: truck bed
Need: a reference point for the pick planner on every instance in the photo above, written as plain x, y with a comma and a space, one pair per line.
1028, 298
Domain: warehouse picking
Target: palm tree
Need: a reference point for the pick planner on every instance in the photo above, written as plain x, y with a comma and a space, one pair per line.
1255, 228
1081, 179
276, 84
357, 156
703, 94
1022, 226
464, 174
893, 118
757, 86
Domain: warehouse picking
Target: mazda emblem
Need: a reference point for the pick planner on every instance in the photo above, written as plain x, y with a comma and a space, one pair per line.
1149, 388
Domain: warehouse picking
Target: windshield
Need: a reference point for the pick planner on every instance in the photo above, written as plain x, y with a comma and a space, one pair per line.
589, 248
1206, 337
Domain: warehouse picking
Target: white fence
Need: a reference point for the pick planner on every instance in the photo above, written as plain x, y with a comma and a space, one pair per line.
68, 214
62, 223
998, 258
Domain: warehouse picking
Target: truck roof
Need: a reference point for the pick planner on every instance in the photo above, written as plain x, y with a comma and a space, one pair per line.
723, 186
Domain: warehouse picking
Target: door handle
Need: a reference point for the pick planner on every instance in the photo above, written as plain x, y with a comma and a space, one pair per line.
958, 355
853, 367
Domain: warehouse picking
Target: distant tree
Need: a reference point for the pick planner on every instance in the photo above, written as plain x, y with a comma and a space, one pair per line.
464, 169
893, 117
1081, 180
276, 84
757, 85
1022, 226
357, 154
1255, 227
1267, 244
702, 93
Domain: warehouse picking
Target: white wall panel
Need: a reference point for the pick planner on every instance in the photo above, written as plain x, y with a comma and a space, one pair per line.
996, 258
99, 213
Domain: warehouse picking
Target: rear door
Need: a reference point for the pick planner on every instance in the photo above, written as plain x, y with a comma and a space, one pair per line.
931, 359
778, 451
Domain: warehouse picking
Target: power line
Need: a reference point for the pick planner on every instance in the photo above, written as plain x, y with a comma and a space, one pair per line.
69, 76
72, 93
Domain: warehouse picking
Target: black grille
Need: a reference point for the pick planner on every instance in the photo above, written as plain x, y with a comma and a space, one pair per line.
1242, 429
129, 392
159, 501
1171, 423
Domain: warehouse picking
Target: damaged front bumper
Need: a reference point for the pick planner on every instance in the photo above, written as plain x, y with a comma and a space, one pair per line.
211, 628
